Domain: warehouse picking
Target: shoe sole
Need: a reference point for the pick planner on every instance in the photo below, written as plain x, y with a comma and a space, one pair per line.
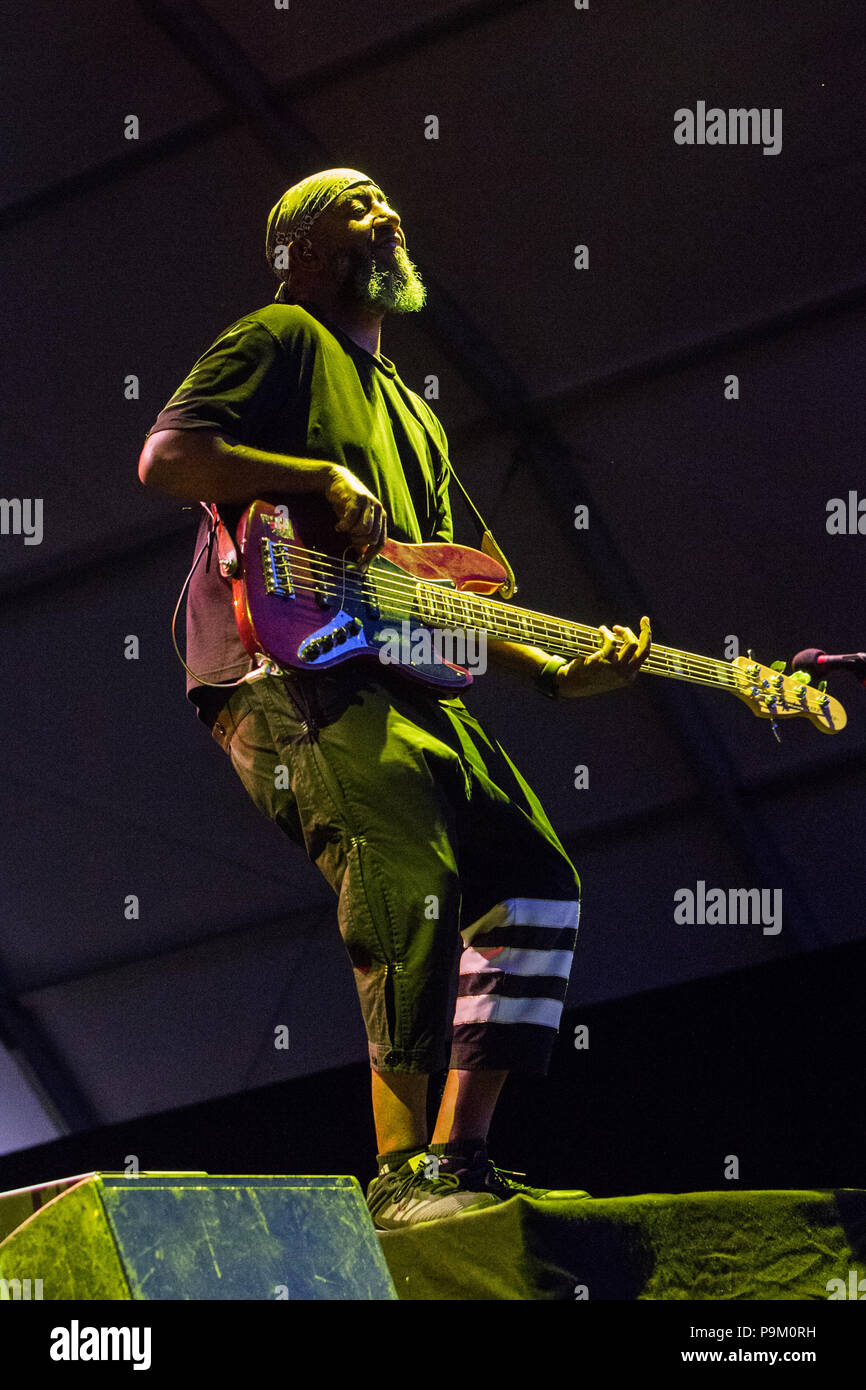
428, 1220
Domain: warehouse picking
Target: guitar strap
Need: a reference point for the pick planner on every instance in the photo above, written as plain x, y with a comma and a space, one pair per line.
489, 543
226, 552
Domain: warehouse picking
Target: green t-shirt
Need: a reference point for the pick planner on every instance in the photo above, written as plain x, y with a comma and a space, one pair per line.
282, 380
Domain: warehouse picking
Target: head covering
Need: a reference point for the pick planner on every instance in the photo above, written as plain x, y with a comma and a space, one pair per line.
297, 210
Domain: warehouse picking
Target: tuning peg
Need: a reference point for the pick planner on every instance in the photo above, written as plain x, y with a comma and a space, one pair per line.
779, 666
822, 686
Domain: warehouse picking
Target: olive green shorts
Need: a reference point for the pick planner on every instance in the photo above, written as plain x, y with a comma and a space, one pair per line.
457, 904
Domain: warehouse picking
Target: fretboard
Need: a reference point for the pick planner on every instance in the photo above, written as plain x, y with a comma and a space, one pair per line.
443, 607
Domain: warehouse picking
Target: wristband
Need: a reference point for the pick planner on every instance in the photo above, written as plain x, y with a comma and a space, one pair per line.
546, 680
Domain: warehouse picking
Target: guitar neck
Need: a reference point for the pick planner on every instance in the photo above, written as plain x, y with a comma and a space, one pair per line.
447, 608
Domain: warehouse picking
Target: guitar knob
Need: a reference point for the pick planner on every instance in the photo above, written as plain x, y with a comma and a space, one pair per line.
339, 635
354, 626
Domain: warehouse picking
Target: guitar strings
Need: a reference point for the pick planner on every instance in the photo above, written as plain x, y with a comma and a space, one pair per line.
514, 621
667, 661
397, 587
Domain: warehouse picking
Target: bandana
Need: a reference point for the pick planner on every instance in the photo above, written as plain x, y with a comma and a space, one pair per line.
297, 210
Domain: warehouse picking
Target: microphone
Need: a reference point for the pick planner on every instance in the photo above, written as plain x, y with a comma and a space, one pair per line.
814, 659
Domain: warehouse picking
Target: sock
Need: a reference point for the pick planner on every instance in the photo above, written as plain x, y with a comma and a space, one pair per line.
460, 1153
397, 1157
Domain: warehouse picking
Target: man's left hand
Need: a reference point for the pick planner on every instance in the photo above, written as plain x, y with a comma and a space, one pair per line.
614, 665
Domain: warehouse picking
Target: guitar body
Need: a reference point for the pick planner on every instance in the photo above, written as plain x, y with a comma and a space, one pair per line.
300, 601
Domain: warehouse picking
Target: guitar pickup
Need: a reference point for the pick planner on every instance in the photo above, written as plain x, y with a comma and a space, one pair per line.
369, 598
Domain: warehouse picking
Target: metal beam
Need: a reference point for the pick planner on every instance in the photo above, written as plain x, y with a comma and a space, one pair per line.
136, 157
319, 916
42, 1065
680, 357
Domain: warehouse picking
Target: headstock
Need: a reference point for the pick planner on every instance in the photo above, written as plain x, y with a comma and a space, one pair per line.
770, 694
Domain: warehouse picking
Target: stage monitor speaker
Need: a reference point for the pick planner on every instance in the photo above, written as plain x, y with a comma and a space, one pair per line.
191, 1236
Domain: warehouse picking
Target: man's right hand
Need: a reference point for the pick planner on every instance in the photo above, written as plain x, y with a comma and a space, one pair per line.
359, 514
193, 463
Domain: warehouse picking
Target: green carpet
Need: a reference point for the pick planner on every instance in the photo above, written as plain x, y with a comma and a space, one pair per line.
694, 1245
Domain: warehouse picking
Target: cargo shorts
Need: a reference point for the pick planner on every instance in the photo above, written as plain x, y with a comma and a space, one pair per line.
456, 902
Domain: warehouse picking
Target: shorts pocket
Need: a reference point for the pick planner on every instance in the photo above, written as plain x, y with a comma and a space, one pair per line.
229, 719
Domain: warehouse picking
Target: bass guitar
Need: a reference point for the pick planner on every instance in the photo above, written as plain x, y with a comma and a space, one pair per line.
301, 603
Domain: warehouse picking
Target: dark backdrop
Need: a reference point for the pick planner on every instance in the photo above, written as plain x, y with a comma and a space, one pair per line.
123, 258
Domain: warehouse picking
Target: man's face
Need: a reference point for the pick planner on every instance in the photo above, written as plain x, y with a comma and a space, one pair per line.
362, 242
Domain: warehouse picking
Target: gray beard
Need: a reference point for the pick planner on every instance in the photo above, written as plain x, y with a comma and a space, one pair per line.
393, 284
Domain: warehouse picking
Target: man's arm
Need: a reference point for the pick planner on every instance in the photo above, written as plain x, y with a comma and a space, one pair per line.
204, 464
613, 666
195, 464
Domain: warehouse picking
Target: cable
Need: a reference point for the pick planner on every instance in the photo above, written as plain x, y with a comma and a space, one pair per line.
215, 685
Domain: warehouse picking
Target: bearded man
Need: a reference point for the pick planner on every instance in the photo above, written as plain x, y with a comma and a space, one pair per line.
396, 792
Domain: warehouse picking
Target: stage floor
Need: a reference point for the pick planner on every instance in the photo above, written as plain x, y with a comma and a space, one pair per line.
743, 1245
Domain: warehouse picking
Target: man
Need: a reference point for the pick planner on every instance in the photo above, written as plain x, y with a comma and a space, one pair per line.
423, 827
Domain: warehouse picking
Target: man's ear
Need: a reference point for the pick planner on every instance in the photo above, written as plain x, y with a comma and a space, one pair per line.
302, 254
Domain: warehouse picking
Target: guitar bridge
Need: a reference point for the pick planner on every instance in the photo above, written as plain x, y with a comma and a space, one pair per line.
276, 568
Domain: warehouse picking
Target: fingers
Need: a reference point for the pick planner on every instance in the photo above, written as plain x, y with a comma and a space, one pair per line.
357, 514
365, 523
628, 645
623, 649
607, 648
646, 637
378, 536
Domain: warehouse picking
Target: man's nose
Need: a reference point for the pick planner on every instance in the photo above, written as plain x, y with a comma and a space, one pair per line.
392, 216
